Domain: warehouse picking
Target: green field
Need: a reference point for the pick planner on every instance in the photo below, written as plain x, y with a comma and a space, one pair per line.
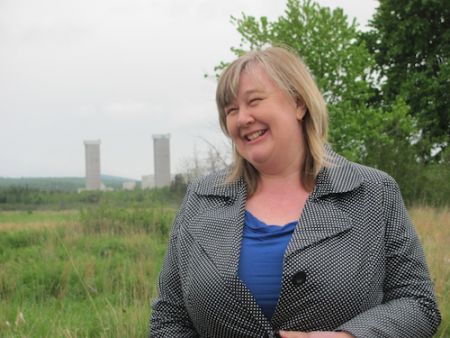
93, 273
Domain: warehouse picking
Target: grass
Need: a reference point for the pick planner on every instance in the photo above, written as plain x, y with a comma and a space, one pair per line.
65, 281
14, 220
433, 226
93, 274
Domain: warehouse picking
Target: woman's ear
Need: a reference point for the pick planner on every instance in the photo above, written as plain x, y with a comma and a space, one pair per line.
301, 110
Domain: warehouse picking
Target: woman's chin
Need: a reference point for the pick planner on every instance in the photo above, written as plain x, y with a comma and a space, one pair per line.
262, 163
257, 160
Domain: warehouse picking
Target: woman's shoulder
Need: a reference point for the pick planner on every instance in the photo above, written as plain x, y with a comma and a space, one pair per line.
216, 184
346, 169
211, 179
373, 175
355, 183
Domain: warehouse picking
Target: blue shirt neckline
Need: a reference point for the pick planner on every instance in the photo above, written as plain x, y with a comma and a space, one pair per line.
256, 224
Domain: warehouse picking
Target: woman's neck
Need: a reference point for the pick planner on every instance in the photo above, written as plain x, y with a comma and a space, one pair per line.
278, 199
279, 183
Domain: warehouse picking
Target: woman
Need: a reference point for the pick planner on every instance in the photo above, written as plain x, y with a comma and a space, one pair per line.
293, 240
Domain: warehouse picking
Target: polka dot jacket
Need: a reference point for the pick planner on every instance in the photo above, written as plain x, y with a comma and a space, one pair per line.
354, 264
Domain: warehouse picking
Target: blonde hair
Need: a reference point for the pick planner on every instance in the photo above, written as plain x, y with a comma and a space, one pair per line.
291, 75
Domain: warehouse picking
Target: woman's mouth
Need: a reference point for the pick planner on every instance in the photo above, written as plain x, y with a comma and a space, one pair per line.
253, 136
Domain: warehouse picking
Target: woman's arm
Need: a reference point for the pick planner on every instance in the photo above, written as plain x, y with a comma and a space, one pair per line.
169, 316
409, 307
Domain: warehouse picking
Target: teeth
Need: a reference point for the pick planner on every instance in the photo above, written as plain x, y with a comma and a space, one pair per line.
255, 135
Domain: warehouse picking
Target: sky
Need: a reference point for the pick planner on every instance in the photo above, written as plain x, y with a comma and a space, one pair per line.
119, 71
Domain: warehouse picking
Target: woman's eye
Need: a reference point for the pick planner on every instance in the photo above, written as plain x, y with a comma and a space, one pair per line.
230, 111
255, 100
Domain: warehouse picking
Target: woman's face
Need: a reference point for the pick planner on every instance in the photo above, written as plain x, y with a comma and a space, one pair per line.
263, 123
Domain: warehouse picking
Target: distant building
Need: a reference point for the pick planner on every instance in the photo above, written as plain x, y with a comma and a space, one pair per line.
161, 156
92, 152
148, 181
129, 185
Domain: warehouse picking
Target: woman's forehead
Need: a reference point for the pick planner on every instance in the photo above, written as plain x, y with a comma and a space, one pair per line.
251, 75
253, 78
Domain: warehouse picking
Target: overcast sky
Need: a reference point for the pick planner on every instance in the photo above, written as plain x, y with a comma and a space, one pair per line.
119, 71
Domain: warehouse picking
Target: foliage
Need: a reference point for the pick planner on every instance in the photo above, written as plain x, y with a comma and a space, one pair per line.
178, 185
13, 198
433, 227
384, 134
95, 276
216, 159
58, 183
395, 154
410, 43
66, 282
113, 220
340, 62
26, 217
70, 281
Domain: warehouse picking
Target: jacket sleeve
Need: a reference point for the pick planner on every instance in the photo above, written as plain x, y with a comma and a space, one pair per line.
169, 316
409, 308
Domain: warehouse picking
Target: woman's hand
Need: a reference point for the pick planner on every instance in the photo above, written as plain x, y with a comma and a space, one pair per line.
315, 334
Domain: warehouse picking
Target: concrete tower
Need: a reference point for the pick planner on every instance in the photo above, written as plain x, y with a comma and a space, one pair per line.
161, 159
92, 151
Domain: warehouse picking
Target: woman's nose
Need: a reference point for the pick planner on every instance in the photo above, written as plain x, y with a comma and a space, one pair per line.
245, 118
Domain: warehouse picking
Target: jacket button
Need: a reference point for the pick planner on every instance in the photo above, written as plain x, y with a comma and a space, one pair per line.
299, 278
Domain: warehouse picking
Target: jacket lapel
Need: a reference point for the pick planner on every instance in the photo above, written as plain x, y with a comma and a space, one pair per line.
218, 229
321, 218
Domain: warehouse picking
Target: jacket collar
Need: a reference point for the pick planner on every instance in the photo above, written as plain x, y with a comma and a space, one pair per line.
214, 185
338, 176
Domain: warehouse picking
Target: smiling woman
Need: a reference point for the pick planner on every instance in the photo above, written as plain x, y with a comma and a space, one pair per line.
287, 77
262, 121
293, 240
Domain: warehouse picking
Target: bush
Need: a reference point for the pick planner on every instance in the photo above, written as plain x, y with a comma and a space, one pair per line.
110, 219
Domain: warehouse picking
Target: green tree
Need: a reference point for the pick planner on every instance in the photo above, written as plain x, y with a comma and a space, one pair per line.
341, 64
410, 41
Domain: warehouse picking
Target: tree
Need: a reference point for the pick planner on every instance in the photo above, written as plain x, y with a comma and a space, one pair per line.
216, 158
410, 41
340, 62
178, 185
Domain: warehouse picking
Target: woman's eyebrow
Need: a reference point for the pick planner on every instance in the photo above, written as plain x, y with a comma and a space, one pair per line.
253, 91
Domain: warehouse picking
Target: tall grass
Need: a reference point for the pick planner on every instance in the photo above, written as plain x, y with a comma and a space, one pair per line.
95, 275
433, 226
77, 281
21, 220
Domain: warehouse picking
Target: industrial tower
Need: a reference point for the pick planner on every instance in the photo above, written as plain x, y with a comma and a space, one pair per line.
161, 157
92, 151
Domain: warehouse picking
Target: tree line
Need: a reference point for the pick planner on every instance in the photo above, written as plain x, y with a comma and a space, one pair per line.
25, 198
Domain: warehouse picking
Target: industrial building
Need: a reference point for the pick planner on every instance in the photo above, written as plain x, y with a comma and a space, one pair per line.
92, 152
148, 181
129, 185
161, 157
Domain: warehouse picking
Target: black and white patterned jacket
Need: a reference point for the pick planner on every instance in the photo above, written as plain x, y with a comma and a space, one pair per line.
354, 263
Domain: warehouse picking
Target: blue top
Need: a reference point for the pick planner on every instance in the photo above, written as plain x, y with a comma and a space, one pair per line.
261, 260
